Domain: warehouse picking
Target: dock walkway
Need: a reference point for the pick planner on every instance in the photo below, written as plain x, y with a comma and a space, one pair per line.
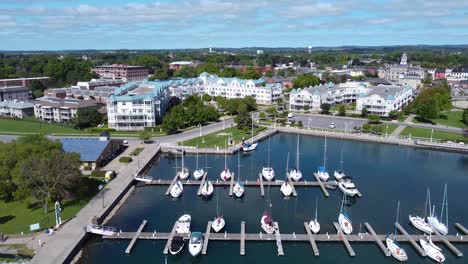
134, 239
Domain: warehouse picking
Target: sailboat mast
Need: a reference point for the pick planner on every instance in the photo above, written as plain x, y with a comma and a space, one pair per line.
341, 159
217, 202
269, 149
252, 130
444, 206
197, 155
325, 153
342, 203
316, 205
397, 213
287, 165
238, 165
297, 153
182, 156
225, 154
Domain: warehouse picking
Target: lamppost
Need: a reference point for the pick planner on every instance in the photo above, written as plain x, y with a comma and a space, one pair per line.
58, 218
101, 189
224, 127
308, 123
199, 126
345, 126
432, 131
386, 131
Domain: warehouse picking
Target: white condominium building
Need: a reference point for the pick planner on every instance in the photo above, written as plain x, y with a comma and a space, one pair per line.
58, 109
383, 99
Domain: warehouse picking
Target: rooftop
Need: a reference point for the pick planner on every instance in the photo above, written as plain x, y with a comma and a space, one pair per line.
89, 148
16, 104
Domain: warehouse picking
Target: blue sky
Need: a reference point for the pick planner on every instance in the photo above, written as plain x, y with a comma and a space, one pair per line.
143, 24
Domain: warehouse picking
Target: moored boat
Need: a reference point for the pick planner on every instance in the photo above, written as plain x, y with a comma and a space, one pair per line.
267, 224
196, 243
207, 189
177, 244
176, 189
432, 251
183, 225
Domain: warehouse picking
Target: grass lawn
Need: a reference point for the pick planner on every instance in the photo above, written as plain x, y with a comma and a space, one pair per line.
218, 138
10, 125
449, 118
136, 151
16, 216
426, 133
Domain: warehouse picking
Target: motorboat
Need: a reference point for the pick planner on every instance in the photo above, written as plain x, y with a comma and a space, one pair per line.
183, 224
286, 188
344, 219
420, 224
196, 243
348, 188
339, 174
295, 174
267, 224
177, 244
176, 189
322, 174
207, 189
238, 188
432, 251
392, 245
246, 146
199, 172
101, 230
143, 178
314, 225
437, 222
225, 174
395, 249
268, 173
218, 223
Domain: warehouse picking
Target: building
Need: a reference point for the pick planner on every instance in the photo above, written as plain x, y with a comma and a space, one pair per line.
11, 93
21, 81
137, 105
403, 73
94, 152
457, 75
383, 99
439, 74
91, 85
177, 65
53, 109
100, 93
17, 109
380, 99
122, 72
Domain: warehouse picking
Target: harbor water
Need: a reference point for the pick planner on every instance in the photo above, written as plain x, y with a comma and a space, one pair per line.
383, 173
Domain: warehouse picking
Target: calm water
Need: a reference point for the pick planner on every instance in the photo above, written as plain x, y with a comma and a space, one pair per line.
384, 174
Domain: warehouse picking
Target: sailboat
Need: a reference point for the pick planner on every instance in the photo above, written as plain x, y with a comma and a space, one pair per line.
199, 172
420, 223
437, 222
296, 173
207, 189
246, 147
267, 171
218, 222
225, 174
344, 219
395, 249
267, 221
434, 252
184, 172
322, 173
314, 225
238, 188
286, 188
339, 174
176, 189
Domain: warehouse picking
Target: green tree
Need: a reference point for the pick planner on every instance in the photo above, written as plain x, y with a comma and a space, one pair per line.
373, 118
243, 119
209, 68
465, 116
207, 97
427, 108
262, 115
306, 108
251, 73
364, 112
393, 114
144, 135
37, 88
342, 110
325, 108
87, 117
272, 111
305, 80
160, 74
268, 74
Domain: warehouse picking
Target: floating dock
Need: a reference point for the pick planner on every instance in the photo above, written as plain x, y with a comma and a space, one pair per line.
279, 238
135, 237
202, 182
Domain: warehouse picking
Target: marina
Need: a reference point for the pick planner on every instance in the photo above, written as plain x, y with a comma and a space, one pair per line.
370, 165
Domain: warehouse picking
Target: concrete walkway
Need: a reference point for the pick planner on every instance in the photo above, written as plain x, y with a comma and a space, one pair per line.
401, 127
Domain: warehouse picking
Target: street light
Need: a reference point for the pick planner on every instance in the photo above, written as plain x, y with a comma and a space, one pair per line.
58, 218
386, 131
101, 187
308, 123
199, 125
432, 131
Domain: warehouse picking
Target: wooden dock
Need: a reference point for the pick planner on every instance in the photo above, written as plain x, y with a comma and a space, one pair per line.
344, 239
278, 240
412, 241
294, 193
135, 237
169, 238
202, 182
449, 245
242, 239
260, 181
461, 228
322, 186
207, 238
231, 185
173, 181
377, 240
311, 239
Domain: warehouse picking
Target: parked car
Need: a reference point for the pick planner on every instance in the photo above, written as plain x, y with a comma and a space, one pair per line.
291, 115
332, 125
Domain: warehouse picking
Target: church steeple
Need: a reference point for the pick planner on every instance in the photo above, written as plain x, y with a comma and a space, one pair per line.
404, 59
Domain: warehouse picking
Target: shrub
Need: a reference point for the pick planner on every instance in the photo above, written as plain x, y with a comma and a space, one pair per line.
98, 173
87, 168
102, 129
125, 159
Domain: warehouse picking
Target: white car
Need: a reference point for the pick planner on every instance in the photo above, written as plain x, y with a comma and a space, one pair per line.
291, 115
125, 142
332, 125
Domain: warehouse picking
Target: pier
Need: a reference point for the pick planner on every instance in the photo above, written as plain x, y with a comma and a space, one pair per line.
260, 182
202, 182
449, 245
176, 177
134, 239
231, 185
461, 228
322, 186
279, 238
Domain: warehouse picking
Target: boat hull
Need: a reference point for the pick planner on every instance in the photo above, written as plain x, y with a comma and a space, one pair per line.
345, 224
207, 190
314, 226
195, 249
184, 174
286, 189
218, 224
225, 175
198, 174
249, 147
339, 175
349, 192
295, 175
420, 224
176, 190
436, 225
432, 252
268, 174
397, 252
268, 228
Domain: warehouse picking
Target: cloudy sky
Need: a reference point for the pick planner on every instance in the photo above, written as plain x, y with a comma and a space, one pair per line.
149, 24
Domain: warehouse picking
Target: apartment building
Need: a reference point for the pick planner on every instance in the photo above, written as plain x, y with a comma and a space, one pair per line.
53, 109
11, 93
122, 72
16, 109
383, 99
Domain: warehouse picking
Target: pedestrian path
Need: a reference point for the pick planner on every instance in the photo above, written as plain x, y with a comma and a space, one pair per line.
400, 128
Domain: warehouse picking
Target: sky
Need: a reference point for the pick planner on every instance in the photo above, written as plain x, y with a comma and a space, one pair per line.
164, 24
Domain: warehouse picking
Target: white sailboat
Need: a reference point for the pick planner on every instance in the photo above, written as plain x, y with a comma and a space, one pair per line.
322, 173
196, 243
420, 223
207, 189
286, 188
344, 219
218, 222
226, 173
314, 225
436, 222
295, 174
267, 171
392, 245
184, 172
432, 251
246, 147
238, 188
176, 189
339, 174
198, 172
266, 221
183, 224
